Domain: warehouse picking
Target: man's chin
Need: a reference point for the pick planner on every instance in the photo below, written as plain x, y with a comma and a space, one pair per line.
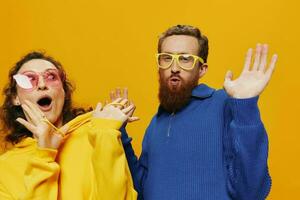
174, 88
175, 94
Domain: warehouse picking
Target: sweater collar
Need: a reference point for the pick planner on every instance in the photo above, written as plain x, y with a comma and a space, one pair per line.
202, 91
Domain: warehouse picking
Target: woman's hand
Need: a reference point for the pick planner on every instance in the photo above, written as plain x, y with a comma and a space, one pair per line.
123, 93
37, 124
119, 110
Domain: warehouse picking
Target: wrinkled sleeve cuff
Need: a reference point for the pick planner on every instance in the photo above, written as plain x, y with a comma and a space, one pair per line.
124, 136
106, 123
245, 111
46, 154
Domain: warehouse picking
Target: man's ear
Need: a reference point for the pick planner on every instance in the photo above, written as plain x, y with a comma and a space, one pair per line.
16, 101
203, 69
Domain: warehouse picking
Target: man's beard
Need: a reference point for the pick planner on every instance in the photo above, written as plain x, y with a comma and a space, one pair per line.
175, 98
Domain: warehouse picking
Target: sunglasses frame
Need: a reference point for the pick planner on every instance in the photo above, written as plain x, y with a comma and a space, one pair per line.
59, 73
176, 57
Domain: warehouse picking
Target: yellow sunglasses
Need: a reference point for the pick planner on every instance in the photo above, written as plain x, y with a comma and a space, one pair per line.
184, 61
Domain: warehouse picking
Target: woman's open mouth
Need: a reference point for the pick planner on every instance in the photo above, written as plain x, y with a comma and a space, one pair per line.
45, 103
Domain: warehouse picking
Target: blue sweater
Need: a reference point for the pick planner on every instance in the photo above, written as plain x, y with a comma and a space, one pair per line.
215, 148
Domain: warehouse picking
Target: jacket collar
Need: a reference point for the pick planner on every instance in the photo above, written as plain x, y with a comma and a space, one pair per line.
28, 141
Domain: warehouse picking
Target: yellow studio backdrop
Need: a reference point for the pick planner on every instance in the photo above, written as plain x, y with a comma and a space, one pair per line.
108, 44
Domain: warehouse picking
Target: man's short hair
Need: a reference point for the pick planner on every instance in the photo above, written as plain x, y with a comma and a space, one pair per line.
187, 30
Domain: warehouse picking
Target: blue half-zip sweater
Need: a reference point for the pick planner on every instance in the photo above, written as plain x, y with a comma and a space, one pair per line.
215, 148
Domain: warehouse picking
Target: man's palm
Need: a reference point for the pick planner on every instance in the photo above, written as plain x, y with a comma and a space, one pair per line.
252, 81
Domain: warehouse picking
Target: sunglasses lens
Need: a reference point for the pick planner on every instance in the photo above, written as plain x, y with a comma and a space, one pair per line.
30, 79
186, 61
164, 60
52, 77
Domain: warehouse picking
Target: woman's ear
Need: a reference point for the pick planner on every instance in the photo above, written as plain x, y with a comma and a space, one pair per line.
203, 69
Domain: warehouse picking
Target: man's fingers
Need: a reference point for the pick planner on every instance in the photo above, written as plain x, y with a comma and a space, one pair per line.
128, 109
271, 68
129, 112
125, 93
118, 92
98, 107
248, 60
263, 60
228, 76
133, 119
112, 95
257, 57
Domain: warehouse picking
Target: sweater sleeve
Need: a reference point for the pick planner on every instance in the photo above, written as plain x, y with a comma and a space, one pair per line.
138, 167
112, 175
41, 176
246, 150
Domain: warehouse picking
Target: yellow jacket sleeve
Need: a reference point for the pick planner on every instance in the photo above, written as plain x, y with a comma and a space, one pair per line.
4, 195
112, 175
41, 176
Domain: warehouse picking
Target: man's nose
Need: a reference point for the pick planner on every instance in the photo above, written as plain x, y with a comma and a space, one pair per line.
175, 67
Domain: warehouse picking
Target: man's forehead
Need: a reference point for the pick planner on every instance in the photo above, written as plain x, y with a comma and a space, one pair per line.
180, 44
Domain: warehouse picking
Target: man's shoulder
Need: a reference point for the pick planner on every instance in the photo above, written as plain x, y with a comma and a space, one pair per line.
221, 93
203, 91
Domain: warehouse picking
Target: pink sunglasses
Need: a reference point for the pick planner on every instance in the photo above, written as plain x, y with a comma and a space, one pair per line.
29, 80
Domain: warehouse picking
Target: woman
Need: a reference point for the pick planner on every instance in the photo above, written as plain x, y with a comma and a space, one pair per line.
59, 152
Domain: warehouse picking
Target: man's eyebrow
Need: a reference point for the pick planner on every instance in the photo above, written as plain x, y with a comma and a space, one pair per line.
176, 52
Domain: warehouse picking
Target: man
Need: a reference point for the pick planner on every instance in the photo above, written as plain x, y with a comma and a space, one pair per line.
203, 143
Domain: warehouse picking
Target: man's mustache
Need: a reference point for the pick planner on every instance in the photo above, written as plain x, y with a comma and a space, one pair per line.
175, 76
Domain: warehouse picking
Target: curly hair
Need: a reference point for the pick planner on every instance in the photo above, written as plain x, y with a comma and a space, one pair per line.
190, 31
14, 131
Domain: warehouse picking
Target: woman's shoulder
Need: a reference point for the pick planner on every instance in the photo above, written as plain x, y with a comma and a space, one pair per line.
17, 151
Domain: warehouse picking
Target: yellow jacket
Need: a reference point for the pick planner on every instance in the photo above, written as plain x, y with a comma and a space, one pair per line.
90, 165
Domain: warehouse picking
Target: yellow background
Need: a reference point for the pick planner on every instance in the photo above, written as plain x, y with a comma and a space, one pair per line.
106, 44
